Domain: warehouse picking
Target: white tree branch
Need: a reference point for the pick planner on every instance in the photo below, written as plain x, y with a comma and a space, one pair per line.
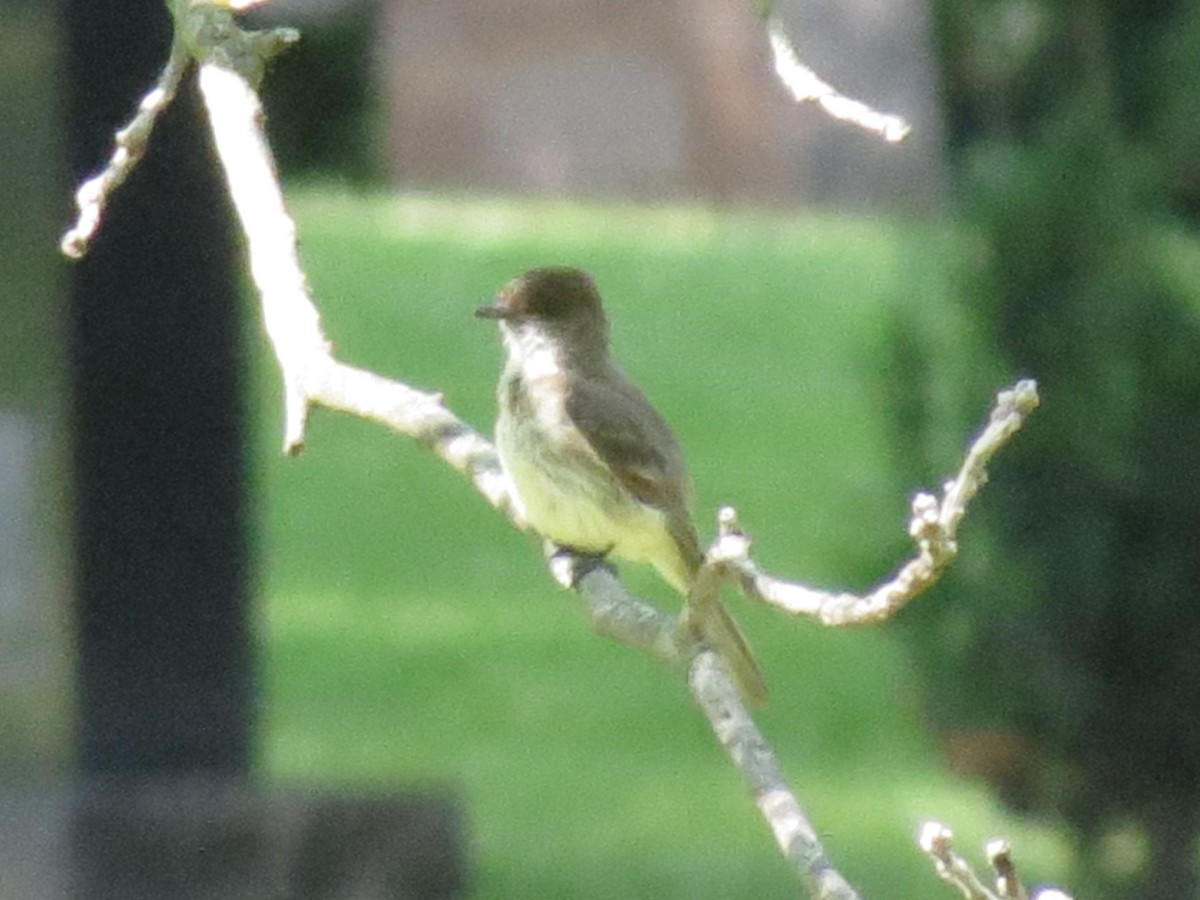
130, 145
230, 61
934, 527
753, 756
806, 86
312, 376
938, 842
1008, 883
617, 614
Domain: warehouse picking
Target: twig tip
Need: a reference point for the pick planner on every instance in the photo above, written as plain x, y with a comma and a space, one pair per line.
74, 245
997, 849
1022, 398
934, 837
894, 129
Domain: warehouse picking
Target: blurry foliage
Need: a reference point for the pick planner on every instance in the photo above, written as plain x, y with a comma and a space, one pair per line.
1075, 134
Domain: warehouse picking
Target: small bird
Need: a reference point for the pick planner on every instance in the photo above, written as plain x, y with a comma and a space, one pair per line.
595, 467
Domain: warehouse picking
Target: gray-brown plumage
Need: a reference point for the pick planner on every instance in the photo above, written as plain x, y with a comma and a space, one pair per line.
595, 467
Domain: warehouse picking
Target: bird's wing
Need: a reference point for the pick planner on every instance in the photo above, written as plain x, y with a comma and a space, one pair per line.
637, 445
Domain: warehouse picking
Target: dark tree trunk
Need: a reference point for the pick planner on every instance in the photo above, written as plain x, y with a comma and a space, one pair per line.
164, 657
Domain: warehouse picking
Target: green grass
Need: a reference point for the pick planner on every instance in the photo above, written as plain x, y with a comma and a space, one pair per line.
411, 637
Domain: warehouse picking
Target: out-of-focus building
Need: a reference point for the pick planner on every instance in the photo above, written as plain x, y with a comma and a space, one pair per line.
668, 100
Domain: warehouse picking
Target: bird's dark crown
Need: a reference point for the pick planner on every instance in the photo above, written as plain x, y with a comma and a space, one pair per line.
549, 294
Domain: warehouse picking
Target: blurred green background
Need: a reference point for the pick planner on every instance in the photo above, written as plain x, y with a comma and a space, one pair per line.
819, 366
410, 634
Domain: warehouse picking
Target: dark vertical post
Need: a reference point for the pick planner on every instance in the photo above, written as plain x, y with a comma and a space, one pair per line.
165, 686
165, 669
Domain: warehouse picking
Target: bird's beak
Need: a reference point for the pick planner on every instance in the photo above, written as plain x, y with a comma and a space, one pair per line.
493, 311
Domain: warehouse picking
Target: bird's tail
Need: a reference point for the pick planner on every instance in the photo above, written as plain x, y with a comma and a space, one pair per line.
710, 621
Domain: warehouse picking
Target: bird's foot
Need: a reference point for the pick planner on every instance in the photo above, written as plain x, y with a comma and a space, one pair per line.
569, 566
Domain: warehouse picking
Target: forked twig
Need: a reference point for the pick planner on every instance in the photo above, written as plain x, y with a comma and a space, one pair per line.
129, 146
807, 87
229, 61
934, 527
938, 842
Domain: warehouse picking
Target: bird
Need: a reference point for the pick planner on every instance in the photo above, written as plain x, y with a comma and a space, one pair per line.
595, 467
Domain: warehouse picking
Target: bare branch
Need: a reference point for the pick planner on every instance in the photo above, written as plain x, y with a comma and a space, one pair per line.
230, 63
938, 841
749, 751
934, 526
617, 614
130, 146
1008, 885
806, 86
312, 376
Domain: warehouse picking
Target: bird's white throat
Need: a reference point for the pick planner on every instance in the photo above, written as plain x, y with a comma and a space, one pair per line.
531, 350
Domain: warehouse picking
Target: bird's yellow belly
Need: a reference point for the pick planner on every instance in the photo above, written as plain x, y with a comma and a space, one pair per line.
575, 502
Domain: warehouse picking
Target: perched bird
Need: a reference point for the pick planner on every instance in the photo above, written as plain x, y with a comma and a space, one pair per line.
596, 469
